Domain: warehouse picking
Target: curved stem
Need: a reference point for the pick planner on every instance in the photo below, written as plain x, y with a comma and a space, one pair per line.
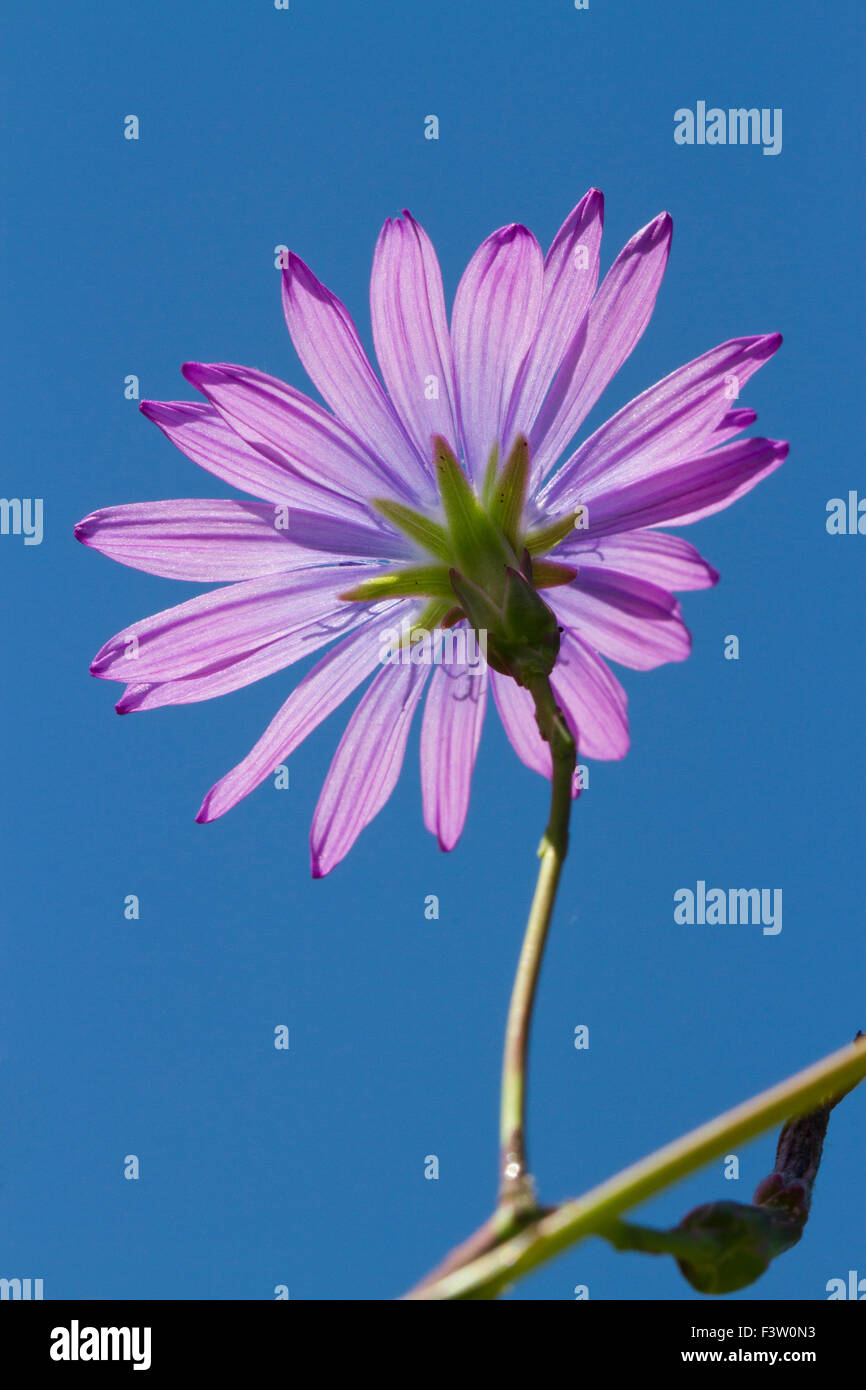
516, 1188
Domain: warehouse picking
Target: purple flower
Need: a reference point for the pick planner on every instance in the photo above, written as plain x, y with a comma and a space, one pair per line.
370, 536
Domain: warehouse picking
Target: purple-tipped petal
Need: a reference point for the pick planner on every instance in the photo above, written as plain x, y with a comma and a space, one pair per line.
410, 331
676, 496
227, 624
570, 279
327, 342
331, 681
267, 413
366, 765
493, 323
668, 561
450, 734
733, 423
201, 433
626, 619
238, 670
592, 700
674, 420
216, 541
613, 326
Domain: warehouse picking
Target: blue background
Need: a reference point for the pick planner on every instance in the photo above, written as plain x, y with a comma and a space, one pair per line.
155, 1037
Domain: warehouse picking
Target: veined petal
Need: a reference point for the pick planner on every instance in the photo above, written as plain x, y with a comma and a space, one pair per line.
410, 330
517, 712
331, 681
450, 734
668, 561
592, 699
218, 540
327, 342
200, 432
626, 619
570, 279
366, 765
590, 696
733, 423
493, 323
614, 324
268, 413
226, 623
241, 669
672, 421
676, 496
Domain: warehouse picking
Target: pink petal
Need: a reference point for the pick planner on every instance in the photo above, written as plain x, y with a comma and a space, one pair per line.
493, 323
568, 289
616, 320
366, 765
632, 622
675, 419
517, 712
592, 700
327, 685
688, 491
201, 433
733, 423
668, 561
226, 624
450, 734
271, 415
410, 330
238, 670
327, 342
214, 541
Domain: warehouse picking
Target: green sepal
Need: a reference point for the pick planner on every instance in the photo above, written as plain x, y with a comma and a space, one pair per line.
508, 495
433, 615
544, 538
490, 473
476, 603
550, 574
531, 624
522, 635
413, 581
416, 526
477, 545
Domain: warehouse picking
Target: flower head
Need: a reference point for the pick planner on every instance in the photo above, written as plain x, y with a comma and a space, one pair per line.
433, 506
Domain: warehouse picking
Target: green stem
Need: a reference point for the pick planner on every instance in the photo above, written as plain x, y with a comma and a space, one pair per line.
516, 1189
596, 1213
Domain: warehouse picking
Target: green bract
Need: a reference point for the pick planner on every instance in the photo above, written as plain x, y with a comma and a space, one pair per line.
482, 564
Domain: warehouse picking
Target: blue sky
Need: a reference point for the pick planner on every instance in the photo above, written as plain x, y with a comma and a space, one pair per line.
155, 1037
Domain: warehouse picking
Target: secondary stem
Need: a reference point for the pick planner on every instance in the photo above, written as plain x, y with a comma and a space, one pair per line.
597, 1212
516, 1189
